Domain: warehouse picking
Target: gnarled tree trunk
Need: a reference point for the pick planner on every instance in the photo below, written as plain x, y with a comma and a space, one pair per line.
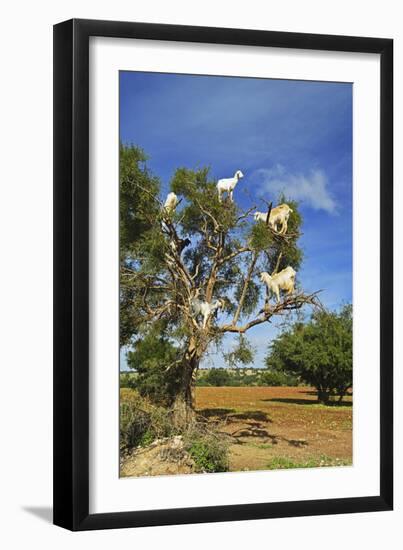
323, 395
183, 408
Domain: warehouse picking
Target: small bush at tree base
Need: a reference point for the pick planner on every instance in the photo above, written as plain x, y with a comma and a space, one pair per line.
142, 422
209, 452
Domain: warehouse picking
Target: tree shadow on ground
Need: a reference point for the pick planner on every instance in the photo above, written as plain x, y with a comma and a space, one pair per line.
251, 415
296, 442
253, 425
220, 413
313, 392
293, 401
253, 429
233, 416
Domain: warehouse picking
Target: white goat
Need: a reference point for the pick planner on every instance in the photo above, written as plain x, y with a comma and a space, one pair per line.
227, 185
171, 203
278, 215
284, 280
205, 309
260, 216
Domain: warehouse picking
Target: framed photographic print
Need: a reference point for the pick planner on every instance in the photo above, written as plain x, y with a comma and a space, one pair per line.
223, 319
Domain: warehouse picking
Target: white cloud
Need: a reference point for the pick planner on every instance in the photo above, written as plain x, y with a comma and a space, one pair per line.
312, 189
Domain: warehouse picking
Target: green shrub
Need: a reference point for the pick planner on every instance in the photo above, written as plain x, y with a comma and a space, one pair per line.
208, 450
217, 377
276, 378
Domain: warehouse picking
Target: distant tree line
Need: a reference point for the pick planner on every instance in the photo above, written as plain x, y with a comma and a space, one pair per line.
237, 378
220, 377
317, 353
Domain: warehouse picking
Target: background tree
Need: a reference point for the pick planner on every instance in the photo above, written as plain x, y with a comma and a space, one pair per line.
151, 354
228, 250
320, 352
217, 377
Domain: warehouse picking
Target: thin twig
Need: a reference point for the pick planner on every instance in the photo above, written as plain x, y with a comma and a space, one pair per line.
245, 288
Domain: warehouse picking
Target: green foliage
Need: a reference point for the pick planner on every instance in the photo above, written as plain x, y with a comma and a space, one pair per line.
151, 251
137, 186
217, 377
277, 378
137, 212
208, 450
261, 238
152, 354
128, 380
319, 352
200, 195
251, 298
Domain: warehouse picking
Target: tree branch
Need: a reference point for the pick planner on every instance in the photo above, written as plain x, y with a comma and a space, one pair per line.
245, 214
214, 268
268, 213
156, 199
245, 288
289, 303
277, 263
210, 215
174, 257
235, 253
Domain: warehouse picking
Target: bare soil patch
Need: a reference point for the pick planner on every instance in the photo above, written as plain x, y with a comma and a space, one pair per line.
278, 427
162, 457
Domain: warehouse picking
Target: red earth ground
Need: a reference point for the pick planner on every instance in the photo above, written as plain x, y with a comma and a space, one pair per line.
278, 427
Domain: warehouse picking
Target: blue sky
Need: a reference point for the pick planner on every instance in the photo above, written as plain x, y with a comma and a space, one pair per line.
292, 136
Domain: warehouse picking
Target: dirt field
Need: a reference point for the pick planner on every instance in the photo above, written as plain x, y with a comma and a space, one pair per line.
278, 427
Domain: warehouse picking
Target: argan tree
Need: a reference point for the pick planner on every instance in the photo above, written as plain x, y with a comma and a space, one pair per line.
319, 351
159, 283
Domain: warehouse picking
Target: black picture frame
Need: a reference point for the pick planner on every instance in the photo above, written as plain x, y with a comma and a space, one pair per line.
71, 274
